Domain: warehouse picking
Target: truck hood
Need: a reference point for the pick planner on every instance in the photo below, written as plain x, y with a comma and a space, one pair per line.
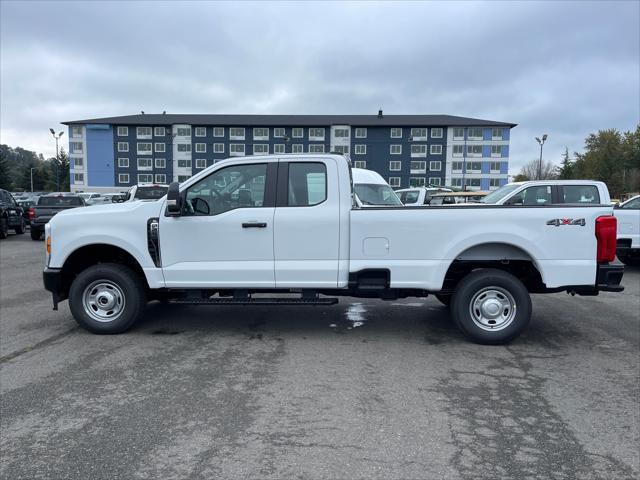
108, 213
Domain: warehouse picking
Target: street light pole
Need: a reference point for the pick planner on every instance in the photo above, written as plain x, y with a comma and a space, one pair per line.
31, 172
53, 132
541, 142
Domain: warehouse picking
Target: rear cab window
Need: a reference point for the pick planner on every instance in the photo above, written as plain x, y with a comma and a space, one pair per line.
579, 194
307, 184
409, 197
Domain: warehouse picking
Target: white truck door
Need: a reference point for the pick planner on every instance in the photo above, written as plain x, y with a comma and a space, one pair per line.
307, 224
224, 237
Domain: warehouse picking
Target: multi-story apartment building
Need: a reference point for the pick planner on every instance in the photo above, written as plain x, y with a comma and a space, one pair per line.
117, 152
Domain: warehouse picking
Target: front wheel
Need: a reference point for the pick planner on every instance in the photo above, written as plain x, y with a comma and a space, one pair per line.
491, 306
20, 228
107, 298
4, 228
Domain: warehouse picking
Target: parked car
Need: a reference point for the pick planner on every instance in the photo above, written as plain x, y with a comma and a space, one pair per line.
417, 196
47, 207
10, 215
455, 198
370, 189
628, 243
295, 231
92, 198
550, 192
146, 192
116, 197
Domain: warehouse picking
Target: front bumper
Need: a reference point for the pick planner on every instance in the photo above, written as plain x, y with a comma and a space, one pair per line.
52, 279
609, 276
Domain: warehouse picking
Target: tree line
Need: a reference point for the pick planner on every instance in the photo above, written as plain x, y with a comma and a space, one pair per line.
16, 166
609, 155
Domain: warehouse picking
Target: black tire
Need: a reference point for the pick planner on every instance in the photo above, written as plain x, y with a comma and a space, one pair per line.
444, 299
4, 228
476, 286
20, 228
36, 234
130, 286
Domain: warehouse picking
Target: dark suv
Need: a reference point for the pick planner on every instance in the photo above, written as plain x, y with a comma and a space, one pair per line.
11, 215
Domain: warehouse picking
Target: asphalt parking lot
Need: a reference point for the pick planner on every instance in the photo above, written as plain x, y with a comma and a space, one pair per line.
363, 389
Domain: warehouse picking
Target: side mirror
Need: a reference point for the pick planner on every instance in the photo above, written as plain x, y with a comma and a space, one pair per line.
174, 201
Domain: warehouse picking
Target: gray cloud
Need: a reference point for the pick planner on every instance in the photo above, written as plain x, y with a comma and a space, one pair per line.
562, 68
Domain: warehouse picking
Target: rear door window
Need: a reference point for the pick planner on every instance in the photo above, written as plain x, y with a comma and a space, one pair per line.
579, 194
307, 184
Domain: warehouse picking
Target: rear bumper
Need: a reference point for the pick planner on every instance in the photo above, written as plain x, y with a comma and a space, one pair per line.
52, 279
609, 276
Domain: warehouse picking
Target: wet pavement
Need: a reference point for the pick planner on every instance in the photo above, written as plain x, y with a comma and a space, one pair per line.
362, 389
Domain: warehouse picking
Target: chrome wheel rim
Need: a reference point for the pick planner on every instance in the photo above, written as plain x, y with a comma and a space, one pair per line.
492, 309
103, 301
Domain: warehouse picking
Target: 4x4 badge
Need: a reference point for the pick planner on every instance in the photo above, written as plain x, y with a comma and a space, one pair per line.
567, 221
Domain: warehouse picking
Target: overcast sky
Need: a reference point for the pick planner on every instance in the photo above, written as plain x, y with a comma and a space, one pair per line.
562, 68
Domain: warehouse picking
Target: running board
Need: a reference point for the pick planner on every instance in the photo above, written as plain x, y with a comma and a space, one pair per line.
255, 301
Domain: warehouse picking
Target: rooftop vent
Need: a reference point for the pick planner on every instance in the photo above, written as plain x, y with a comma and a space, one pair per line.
380, 113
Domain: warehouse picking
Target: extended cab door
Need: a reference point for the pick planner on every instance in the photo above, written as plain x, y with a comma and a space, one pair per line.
224, 237
307, 224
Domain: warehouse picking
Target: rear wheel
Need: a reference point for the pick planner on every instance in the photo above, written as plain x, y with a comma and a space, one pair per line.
20, 228
4, 228
107, 298
491, 306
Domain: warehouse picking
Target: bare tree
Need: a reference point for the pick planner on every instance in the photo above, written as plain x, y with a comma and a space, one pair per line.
530, 170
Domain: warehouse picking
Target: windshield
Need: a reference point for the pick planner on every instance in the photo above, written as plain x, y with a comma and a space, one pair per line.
150, 193
497, 195
376, 194
61, 201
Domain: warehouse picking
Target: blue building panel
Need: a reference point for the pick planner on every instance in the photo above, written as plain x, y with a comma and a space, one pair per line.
506, 133
504, 168
486, 133
100, 167
505, 151
484, 184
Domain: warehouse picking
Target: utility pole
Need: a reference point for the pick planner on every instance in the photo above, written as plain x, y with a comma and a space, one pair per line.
464, 160
541, 142
31, 171
53, 132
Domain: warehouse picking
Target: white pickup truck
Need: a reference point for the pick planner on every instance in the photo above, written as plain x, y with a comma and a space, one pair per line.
628, 215
288, 224
550, 192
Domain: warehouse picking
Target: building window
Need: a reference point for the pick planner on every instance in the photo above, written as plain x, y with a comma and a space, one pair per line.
494, 182
78, 162
218, 131
278, 147
456, 182
361, 133
396, 133
360, 164
494, 167
145, 178
416, 182
123, 178
418, 150
76, 131
418, 167
76, 147
475, 133
395, 165
161, 178
435, 149
184, 163
340, 148
123, 162
496, 134
160, 147
143, 132
473, 182
474, 150
201, 131
236, 133
236, 149
316, 134
395, 149
278, 132
297, 148
201, 162
394, 182
341, 132
159, 132
436, 133
183, 132
456, 166
474, 167
144, 148
435, 181
458, 150
218, 148
496, 150
184, 147
123, 146
183, 178
297, 132
144, 164
361, 150
261, 134
435, 165
458, 133
123, 131
418, 134
260, 148
201, 147
316, 148
161, 163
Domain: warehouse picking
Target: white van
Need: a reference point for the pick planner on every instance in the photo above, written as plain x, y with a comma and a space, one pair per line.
371, 190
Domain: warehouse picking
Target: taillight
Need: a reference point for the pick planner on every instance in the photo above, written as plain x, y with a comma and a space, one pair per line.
32, 213
606, 228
